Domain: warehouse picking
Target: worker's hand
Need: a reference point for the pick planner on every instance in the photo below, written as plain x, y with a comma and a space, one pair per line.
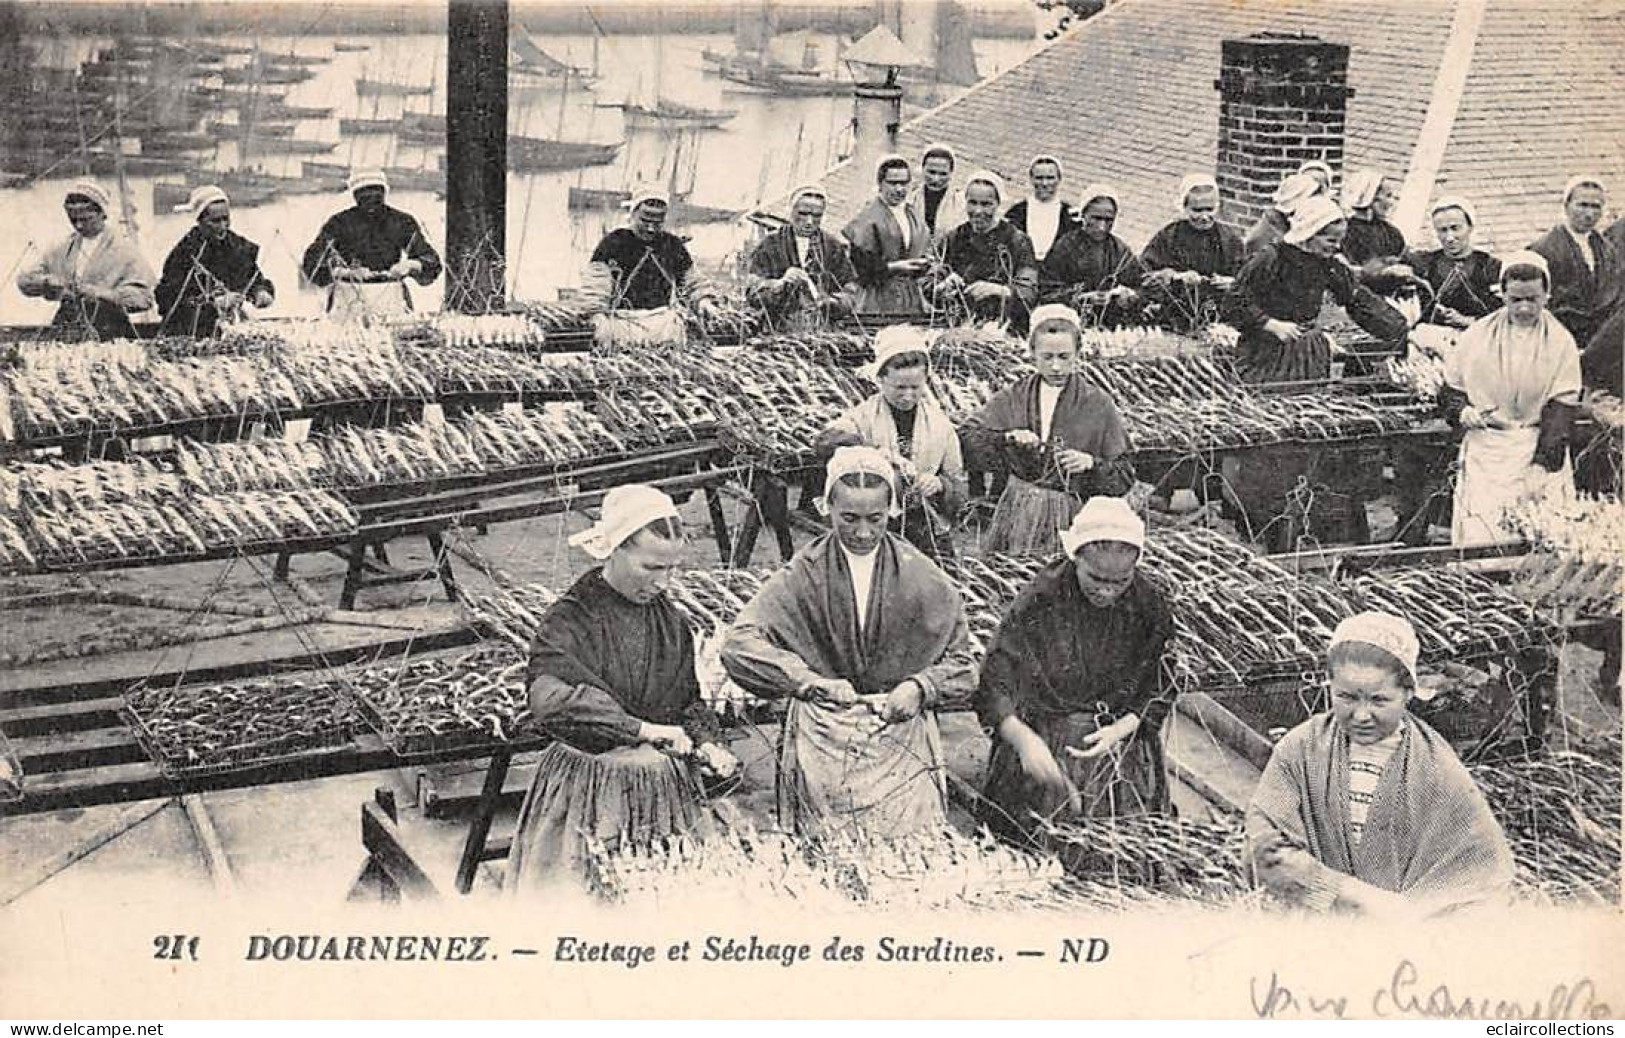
1471, 418
834, 691
1041, 768
927, 484
1163, 276
916, 266
1450, 316
228, 302
717, 760
1222, 282
1293, 868
1123, 294
404, 268
1190, 277
1075, 463
1100, 742
263, 299
981, 290
796, 277
339, 272
1284, 331
667, 738
1397, 270
1023, 438
904, 702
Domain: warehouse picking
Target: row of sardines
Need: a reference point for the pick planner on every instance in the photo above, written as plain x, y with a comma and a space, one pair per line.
203, 498
1238, 618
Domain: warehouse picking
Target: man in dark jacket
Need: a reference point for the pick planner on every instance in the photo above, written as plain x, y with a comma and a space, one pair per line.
364, 254
1585, 270
211, 273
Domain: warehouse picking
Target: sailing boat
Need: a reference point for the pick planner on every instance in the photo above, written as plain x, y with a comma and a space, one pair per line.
663, 112
788, 64
594, 199
531, 70
939, 32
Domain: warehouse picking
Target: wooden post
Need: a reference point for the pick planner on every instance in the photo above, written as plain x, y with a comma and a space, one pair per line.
476, 155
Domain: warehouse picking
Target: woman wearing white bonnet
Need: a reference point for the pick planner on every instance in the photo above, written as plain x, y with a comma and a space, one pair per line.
95, 275
991, 275
861, 636
1278, 295
1058, 435
1588, 274
904, 422
611, 678
1509, 386
1366, 809
800, 274
1372, 243
212, 272
1045, 215
1294, 190
1193, 248
890, 244
365, 254
1090, 268
1466, 281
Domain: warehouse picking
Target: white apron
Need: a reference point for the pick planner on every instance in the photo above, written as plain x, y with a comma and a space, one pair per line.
1498, 467
663, 326
842, 769
355, 300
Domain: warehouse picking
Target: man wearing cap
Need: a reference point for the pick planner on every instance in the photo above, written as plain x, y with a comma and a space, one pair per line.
96, 277
1070, 687
612, 679
1364, 809
211, 272
890, 245
905, 423
364, 254
864, 637
800, 274
1278, 296
1043, 217
990, 272
1587, 276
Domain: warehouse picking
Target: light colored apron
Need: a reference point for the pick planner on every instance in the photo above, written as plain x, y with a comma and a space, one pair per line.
663, 326
355, 301
1498, 467
841, 769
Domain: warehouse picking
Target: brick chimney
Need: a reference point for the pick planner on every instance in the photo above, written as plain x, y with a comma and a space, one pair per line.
1283, 100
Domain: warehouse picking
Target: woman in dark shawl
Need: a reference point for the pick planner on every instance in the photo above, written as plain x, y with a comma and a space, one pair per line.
1367, 809
612, 679
890, 245
864, 636
1465, 281
1070, 688
1089, 267
1278, 296
1058, 435
1371, 243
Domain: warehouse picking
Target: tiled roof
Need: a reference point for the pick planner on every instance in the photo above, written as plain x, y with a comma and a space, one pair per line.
1128, 97
1543, 101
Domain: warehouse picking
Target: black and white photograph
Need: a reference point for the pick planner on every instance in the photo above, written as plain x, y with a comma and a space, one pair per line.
917, 509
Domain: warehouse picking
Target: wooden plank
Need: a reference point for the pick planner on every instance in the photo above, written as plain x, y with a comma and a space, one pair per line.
382, 839
88, 748
1212, 716
307, 659
24, 721
208, 838
84, 787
